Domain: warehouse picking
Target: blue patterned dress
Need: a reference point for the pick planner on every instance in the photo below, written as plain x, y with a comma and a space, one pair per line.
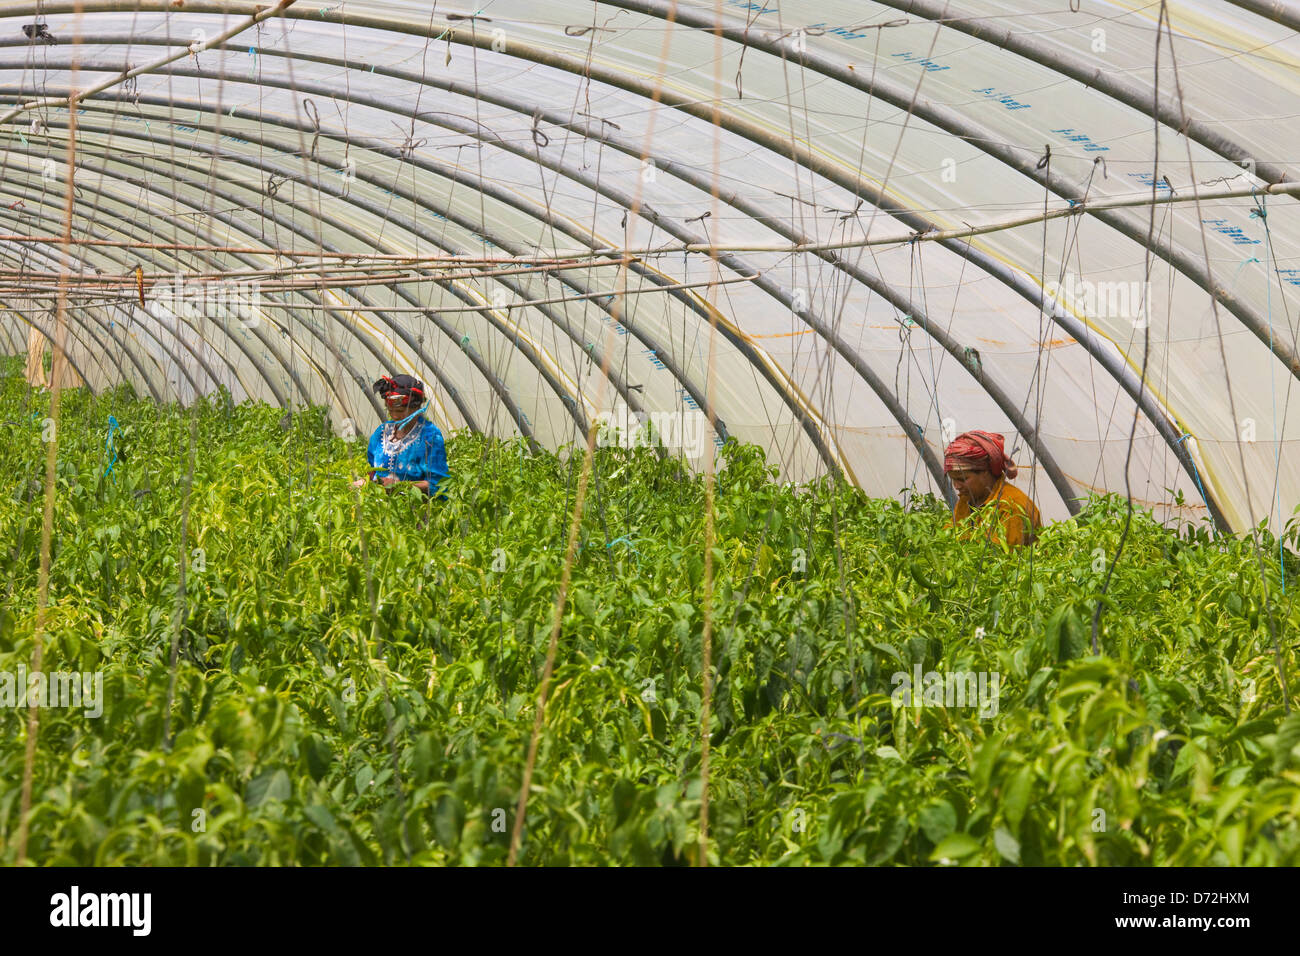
423, 458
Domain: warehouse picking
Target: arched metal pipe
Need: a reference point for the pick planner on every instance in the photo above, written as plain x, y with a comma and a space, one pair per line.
56, 215
1276, 10
120, 262
692, 177
291, 226
975, 134
76, 326
31, 323
1030, 291
800, 411
734, 263
695, 179
267, 167
446, 213
81, 335
1035, 292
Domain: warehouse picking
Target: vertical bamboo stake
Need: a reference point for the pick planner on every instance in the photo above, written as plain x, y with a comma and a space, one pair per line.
706, 689
561, 597
588, 462
51, 457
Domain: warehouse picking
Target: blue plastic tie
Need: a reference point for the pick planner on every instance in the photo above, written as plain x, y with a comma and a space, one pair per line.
1196, 472
1261, 214
110, 445
418, 411
627, 541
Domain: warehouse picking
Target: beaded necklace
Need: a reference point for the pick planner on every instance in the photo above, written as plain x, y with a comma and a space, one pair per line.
393, 444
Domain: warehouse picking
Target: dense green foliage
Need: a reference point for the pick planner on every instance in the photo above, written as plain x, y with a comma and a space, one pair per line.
357, 672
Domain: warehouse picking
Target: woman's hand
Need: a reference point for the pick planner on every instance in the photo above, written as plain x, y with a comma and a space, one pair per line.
359, 483
389, 480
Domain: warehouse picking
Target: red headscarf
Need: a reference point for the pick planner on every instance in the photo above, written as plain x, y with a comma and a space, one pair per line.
979, 450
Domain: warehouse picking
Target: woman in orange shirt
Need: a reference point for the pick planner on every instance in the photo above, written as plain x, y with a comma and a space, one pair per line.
987, 505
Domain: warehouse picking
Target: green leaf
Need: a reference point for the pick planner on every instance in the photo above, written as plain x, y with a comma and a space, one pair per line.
1288, 737
267, 787
890, 650
1008, 846
1232, 839
321, 816
956, 846
894, 836
364, 777
448, 820
1016, 798
937, 820
318, 756
1065, 635
1036, 684
1251, 728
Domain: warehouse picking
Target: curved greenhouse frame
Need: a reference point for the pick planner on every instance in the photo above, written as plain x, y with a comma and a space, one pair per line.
902, 222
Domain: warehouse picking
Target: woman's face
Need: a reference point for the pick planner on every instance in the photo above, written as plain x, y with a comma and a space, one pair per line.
398, 405
973, 485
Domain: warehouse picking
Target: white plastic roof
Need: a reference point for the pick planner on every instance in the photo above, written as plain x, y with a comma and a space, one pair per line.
519, 129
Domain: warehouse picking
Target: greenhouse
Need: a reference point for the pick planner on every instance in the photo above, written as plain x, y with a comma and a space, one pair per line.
649, 432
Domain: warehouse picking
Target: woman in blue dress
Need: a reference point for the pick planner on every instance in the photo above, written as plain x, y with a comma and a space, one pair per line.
408, 448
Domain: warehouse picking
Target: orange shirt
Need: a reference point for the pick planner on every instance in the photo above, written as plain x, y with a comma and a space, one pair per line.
1007, 516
